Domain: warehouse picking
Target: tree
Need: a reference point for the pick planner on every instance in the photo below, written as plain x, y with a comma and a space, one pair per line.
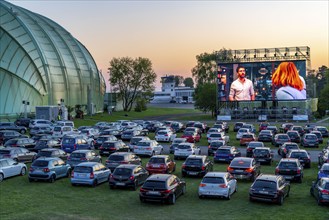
205, 97
323, 103
131, 78
188, 82
178, 80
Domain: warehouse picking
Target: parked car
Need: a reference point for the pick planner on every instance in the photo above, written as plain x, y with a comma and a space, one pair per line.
89, 173
309, 128
224, 124
273, 128
263, 155
27, 143
133, 141
161, 164
290, 169
191, 137
251, 146
310, 140
115, 132
72, 143
175, 143
6, 135
217, 184
323, 157
18, 154
12, 126
214, 145
280, 139
183, 150
60, 131
148, 148
193, 129
23, 122
162, 187
251, 127
128, 175
226, 154
110, 147
286, 127
164, 135
237, 126
48, 169
294, 136
102, 138
128, 134
324, 171
324, 130
240, 132
91, 132
263, 126
53, 152
202, 126
196, 165
318, 135
40, 123
65, 123
286, 147
218, 136
177, 126
214, 130
79, 156
320, 190
36, 130
299, 129
118, 158
46, 143
269, 188
9, 168
244, 168
247, 138
302, 155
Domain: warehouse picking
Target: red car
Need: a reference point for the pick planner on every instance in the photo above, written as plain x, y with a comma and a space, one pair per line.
191, 137
161, 164
263, 126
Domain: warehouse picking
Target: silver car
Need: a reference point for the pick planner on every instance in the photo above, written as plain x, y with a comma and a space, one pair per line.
183, 150
217, 184
148, 147
9, 167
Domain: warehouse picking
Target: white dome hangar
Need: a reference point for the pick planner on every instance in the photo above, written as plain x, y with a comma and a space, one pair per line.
43, 63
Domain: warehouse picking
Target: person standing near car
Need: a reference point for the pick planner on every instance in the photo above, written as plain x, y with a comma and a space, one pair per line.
242, 88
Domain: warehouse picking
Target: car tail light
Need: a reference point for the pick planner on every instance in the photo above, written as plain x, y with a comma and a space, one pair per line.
249, 170
222, 185
111, 176
112, 148
324, 191
203, 168
166, 191
143, 190
46, 170
183, 166
101, 147
148, 148
230, 169
75, 146
202, 185
92, 176
6, 155
83, 158
72, 174
31, 169
131, 177
299, 171
124, 162
277, 170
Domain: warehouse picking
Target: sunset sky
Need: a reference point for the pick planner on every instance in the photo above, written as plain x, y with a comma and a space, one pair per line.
172, 33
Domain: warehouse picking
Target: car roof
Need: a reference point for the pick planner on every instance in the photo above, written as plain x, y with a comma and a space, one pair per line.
160, 177
196, 157
298, 150
128, 166
81, 151
269, 177
49, 149
262, 148
216, 174
48, 158
289, 160
122, 153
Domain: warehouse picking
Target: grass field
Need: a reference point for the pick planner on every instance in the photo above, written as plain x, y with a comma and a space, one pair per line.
20, 199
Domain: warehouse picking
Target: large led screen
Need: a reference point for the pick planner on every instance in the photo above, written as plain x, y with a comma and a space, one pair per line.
260, 84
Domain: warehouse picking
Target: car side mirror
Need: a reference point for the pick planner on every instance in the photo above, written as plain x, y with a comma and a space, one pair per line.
15, 163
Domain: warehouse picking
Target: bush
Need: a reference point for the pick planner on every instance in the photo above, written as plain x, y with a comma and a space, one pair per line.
140, 105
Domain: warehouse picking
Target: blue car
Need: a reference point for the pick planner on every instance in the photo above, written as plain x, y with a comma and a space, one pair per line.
90, 173
49, 169
72, 143
324, 171
226, 154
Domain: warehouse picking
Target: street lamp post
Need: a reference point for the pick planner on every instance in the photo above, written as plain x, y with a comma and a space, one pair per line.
26, 103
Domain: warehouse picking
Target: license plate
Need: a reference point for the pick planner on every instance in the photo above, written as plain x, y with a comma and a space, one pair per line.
221, 159
239, 171
311, 144
261, 160
81, 175
156, 166
106, 152
263, 192
192, 173
153, 193
120, 184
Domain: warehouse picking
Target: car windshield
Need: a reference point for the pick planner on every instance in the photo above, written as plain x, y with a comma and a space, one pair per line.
216, 144
197, 162
215, 135
68, 141
214, 180
247, 136
44, 153
122, 171
298, 154
157, 160
310, 137
288, 165
40, 163
283, 137
83, 169
184, 147
155, 184
261, 184
77, 155
240, 163
141, 143
223, 151
57, 129
135, 140
4, 151
255, 144
108, 144
177, 141
116, 158
260, 151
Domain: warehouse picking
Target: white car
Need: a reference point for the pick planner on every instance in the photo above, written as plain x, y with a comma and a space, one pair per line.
216, 136
60, 131
165, 135
9, 167
217, 184
240, 132
213, 130
148, 147
183, 150
40, 123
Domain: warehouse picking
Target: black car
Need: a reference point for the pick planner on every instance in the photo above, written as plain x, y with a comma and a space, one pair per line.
244, 168
320, 190
53, 152
12, 126
214, 145
6, 135
162, 187
27, 143
23, 122
265, 136
318, 135
101, 139
269, 188
294, 136
280, 139
324, 131
46, 143
290, 169
309, 127
196, 165
299, 129
118, 158
323, 157
128, 175
286, 127
286, 147
110, 147
251, 146
238, 125
263, 155
273, 128
302, 155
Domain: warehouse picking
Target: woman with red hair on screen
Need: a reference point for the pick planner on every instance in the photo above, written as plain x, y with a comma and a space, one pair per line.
287, 78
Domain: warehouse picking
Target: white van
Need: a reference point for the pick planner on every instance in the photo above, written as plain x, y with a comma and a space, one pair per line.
60, 131
64, 123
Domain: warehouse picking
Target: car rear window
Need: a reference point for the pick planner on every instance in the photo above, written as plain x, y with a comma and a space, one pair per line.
240, 163
108, 144
141, 143
122, 171
288, 165
40, 163
116, 158
298, 154
135, 140
254, 145
216, 144
44, 153
155, 184
77, 155
193, 161
157, 160
215, 135
83, 169
223, 151
57, 129
215, 180
183, 147
4, 151
68, 141
264, 184
260, 151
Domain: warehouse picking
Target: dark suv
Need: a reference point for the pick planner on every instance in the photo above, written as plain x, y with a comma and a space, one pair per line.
280, 139
290, 169
162, 187
269, 188
251, 146
294, 136
80, 156
214, 145
101, 139
302, 155
6, 135
244, 168
118, 158
72, 143
286, 147
196, 165
238, 125
263, 155
109, 147
23, 122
